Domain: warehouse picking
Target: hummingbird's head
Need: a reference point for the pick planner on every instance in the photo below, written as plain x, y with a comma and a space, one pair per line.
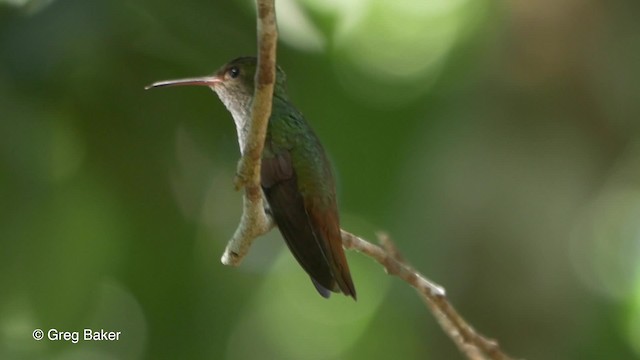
234, 84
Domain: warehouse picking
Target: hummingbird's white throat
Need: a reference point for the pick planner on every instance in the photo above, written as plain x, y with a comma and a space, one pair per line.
240, 108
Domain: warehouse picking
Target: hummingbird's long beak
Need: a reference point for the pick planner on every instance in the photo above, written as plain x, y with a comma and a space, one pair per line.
201, 81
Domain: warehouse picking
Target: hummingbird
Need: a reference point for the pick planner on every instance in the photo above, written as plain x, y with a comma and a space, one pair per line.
296, 177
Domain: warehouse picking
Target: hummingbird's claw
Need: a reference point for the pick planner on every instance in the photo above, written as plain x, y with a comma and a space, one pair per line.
241, 178
238, 182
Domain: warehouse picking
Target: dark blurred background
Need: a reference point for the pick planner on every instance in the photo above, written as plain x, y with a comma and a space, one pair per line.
496, 141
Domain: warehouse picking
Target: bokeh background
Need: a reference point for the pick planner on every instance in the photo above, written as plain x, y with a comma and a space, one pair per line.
496, 141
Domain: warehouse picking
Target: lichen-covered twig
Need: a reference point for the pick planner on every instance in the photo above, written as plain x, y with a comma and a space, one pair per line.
254, 221
469, 342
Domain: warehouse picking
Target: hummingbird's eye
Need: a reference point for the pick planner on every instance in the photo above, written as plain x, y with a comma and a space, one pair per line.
234, 72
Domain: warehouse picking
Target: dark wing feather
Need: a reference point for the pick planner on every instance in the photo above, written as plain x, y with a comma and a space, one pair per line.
279, 183
323, 214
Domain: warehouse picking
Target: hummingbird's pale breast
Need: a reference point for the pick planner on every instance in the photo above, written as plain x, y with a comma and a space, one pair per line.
240, 109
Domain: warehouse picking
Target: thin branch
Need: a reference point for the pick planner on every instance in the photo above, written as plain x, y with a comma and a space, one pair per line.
254, 221
469, 342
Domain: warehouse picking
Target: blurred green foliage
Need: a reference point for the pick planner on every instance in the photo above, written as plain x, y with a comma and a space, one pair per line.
498, 142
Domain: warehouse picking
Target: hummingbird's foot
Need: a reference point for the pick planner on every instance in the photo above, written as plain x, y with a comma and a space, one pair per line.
267, 210
239, 182
241, 179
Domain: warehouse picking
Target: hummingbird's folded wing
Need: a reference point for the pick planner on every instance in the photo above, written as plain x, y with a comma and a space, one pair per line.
323, 215
279, 183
